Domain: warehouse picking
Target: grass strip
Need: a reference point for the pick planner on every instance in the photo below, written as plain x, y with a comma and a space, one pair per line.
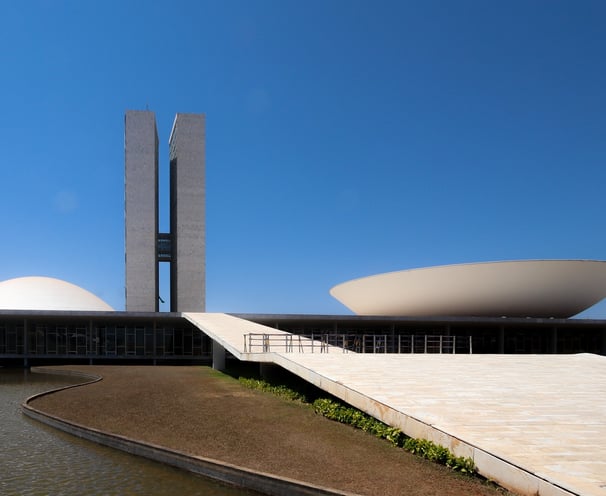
346, 414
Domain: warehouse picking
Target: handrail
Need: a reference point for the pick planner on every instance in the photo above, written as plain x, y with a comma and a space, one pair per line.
355, 343
284, 342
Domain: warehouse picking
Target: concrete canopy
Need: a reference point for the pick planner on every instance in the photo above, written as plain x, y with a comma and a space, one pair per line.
523, 288
47, 293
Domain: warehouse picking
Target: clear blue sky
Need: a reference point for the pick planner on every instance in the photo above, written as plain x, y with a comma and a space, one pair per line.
344, 138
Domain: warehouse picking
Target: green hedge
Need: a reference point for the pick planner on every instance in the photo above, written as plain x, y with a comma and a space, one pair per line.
347, 415
439, 454
422, 447
281, 391
344, 414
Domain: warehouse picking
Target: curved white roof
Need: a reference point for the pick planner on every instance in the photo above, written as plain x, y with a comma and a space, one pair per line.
525, 288
47, 293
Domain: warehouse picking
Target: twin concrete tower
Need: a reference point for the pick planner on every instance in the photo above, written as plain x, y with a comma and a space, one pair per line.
184, 247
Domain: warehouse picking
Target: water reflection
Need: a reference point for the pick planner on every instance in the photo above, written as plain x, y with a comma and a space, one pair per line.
36, 459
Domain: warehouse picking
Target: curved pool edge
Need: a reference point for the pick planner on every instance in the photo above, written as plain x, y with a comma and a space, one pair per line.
88, 379
261, 482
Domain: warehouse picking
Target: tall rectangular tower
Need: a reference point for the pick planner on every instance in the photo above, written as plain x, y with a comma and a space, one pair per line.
141, 211
188, 213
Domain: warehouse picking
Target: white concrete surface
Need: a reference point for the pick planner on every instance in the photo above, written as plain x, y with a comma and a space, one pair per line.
48, 293
515, 288
534, 423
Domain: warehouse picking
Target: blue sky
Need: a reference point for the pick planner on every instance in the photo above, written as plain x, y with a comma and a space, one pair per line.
344, 137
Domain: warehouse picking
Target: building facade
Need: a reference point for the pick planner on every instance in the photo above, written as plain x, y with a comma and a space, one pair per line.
184, 247
187, 213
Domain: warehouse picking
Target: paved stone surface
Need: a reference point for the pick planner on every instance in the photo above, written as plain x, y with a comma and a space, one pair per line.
535, 423
543, 413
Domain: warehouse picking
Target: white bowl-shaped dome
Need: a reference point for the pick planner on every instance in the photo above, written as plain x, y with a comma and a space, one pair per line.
47, 293
525, 288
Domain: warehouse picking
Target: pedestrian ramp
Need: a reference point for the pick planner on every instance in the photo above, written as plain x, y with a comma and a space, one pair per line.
252, 342
535, 424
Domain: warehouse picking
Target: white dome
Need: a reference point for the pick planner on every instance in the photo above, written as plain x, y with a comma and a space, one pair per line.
522, 288
47, 293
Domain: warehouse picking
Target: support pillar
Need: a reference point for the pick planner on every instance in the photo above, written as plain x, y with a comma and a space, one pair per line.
218, 356
25, 345
501, 343
554, 340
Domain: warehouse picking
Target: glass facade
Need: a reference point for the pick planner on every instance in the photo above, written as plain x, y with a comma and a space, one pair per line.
102, 337
98, 340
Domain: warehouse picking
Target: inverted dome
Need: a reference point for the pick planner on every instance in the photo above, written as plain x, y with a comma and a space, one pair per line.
47, 293
525, 288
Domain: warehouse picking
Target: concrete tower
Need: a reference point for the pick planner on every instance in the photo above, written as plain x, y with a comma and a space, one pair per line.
141, 211
184, 247
187, 214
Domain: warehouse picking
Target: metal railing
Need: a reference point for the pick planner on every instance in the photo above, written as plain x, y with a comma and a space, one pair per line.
356, 343
287, 343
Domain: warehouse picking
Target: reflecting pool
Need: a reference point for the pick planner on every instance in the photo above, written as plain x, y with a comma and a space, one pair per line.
37, 460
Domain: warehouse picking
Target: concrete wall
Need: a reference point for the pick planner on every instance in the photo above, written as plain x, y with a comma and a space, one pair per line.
187, 217
141, 211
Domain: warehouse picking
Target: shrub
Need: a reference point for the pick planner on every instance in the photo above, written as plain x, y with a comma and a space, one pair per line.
281, 391
347, 415
422, 447
440, 454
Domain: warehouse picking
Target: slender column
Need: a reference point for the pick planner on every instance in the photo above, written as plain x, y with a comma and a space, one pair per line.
218, 356
91, 343
154, 340
25, 344
501, 340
